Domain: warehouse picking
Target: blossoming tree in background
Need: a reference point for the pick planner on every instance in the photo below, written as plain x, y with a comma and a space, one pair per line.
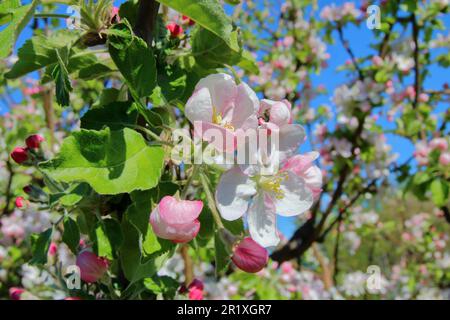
103, 195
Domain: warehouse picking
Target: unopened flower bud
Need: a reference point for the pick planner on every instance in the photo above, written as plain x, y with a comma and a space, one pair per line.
92, 267
20, 202
175, 29
15, 293
249, 256
34, 141
19, 155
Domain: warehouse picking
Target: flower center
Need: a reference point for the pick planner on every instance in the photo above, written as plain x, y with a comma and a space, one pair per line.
272, 184
217, 119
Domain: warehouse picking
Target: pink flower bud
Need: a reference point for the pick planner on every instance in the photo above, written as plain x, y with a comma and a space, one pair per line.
34, 141
196, 290
20, 202
176, 220
175, 29
19, 155
249, 256
92, 267
53, 248
444, 159
15, 293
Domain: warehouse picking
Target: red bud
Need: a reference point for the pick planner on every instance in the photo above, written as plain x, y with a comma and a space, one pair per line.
175, 29
249, 256
20, 202
34, 141
15, 293
92, 267
19, 155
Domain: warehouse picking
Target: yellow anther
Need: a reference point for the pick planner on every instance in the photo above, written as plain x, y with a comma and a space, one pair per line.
273, 185
217, 119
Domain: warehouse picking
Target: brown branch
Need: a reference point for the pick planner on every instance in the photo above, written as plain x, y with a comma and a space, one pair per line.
8, 187
327, 277
146, 19
415, 31
188, 265
336, 250
350, 52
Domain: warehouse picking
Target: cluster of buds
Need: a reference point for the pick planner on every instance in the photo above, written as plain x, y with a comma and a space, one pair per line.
26, 155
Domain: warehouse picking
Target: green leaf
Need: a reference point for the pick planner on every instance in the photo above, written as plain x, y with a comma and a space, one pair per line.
172, 80
61, 77
421, 177
40, 243
6, 9
164, 285
134, 266
39, 52
236, 227
134, 60
439, 192
138, 212
112, 162
71, 235
248, 63
71, 196
18, 17
207, 13
109, 238
129, 10
115, 115
222, 256
211, 51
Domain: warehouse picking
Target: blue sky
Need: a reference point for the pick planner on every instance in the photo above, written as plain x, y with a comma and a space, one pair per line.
360, 39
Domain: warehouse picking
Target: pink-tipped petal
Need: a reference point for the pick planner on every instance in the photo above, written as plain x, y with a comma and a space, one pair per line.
174, 211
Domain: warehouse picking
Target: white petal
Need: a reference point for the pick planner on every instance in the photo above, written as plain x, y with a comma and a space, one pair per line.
297, 197
222, 88
261, 219
291, 136
246, 105
234, 193
313, 177
199, 106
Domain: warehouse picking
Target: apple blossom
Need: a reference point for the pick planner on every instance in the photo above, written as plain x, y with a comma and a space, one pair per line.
218, 103
249, 256
262, 197
176, 220
92, 267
